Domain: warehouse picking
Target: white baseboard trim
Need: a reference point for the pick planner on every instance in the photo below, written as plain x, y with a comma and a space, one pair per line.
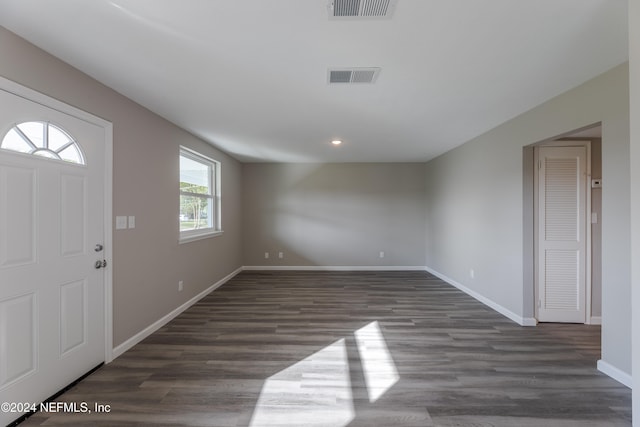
595, 320
120, 349
615, 373
522, 321
332, 268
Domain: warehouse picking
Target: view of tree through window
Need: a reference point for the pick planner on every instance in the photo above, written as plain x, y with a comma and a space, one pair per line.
197, 192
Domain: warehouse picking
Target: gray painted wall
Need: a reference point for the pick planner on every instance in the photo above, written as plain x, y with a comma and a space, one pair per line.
147, 260
336, 214
475, 211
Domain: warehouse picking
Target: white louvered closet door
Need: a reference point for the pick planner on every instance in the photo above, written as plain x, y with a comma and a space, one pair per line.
562, 179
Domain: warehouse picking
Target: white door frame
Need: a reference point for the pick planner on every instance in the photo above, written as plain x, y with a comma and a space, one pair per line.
588, 273
39, 98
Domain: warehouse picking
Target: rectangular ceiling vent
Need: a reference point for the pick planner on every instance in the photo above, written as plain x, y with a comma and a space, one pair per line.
361, 9
353, 75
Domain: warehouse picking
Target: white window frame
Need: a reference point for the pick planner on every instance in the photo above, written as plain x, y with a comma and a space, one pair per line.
214, 198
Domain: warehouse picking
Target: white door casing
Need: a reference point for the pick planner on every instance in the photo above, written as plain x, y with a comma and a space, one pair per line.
54, 306
562, 255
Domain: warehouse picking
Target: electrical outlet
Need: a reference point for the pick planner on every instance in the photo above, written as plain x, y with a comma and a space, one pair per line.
381, 254
180, 286
280, 255
472, 274
266, 255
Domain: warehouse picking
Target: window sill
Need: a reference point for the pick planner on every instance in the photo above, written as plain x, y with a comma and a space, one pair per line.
199, 236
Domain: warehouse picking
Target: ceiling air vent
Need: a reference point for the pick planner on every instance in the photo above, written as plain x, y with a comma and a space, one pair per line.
353, 75
361, 9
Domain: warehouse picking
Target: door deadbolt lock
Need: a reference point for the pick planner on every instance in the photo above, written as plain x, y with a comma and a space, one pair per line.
101, 263
98, 247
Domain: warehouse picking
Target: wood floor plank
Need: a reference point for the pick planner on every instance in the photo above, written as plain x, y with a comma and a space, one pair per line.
337, 349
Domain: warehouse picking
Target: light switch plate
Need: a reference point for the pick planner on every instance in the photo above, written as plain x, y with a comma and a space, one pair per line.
121, 222
132, 221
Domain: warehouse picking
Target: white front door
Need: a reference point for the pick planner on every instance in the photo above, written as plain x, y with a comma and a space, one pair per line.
562, 196
51, 236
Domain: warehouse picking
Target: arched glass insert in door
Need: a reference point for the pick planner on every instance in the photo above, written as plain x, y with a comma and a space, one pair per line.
43, 139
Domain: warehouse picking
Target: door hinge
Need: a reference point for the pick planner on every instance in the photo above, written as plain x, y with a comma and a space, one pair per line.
539, 164
539, 303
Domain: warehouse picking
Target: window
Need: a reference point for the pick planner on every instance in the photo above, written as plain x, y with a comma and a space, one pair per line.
199, 196
43, 139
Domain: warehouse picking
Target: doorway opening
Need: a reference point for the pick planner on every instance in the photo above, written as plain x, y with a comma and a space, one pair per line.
55, 175
562, 198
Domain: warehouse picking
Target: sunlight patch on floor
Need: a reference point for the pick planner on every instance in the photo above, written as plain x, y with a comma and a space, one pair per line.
313, 392
316, 391
380, 373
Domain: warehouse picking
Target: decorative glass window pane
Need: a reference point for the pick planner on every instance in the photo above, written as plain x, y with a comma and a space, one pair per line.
34, 131
71, 154
57, 138
13, 141
45, 153
43, 139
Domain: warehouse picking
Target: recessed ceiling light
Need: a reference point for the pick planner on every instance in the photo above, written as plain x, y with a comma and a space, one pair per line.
336, 142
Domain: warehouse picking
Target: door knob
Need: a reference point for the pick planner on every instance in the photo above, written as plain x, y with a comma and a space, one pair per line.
101, 263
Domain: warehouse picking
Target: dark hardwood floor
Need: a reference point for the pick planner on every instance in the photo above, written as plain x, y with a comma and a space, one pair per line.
389, 349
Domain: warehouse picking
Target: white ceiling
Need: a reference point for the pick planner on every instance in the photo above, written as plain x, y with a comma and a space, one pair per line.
250, 76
